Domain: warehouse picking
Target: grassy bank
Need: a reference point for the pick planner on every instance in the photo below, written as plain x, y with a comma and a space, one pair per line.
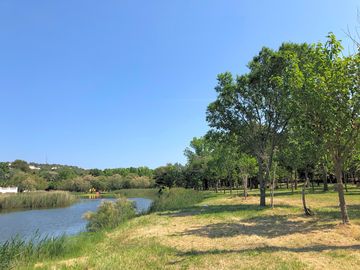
222, 232
33, 200
19, 254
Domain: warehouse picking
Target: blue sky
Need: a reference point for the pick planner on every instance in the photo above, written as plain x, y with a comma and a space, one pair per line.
126, 83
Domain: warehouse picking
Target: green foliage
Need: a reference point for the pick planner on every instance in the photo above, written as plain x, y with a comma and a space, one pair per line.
66, 173
256, 107
169, 176
20, 165
78, 184
110, 215
176, 198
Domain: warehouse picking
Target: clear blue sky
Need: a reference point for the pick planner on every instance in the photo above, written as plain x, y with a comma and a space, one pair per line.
126, 83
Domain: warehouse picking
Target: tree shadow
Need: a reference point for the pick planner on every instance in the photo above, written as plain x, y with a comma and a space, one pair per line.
334, 212
265, 226
220, 209
269, 249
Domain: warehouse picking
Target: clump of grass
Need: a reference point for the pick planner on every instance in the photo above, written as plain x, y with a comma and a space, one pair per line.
110, 215
17, 251
150, 193
37, 200
176, 198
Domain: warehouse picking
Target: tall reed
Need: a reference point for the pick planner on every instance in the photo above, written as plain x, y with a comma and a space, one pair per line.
34, 200
176, 198
18, 251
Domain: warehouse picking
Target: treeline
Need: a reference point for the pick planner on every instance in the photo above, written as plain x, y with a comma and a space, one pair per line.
32, 176
294, 116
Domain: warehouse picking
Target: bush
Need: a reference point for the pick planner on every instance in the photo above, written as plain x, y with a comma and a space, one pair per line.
176, 198
110, 215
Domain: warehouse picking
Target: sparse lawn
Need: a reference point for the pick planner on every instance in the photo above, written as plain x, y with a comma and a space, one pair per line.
227, 232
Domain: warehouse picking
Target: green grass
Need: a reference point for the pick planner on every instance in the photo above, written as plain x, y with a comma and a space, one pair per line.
149, 193
17, 250
215, 231
19, 254
177, 198
33, 200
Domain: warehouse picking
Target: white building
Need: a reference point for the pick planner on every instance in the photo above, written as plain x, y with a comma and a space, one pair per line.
8, 189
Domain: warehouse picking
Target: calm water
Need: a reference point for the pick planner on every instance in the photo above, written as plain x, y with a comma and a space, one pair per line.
54, 222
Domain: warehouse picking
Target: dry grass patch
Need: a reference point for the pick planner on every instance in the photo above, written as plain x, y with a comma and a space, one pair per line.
228, 232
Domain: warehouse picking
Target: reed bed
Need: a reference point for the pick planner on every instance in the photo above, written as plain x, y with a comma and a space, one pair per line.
33, 200
17, 250
176, 198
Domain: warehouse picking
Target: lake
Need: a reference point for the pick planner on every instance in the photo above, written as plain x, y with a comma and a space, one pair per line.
55, 221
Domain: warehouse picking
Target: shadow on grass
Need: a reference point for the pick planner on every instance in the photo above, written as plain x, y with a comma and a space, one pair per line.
220, 209
333, 212
270, 249
264, 226
309, 191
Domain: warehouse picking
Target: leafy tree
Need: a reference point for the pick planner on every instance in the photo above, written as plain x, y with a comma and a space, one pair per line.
257, 106
169, 175
198, 160
248, 168
335, 108
20, 165
96, 172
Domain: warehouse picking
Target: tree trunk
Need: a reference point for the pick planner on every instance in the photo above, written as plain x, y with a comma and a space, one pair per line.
345, 181
245, 184
295, 180
217, 186
262, 185
272, 188
340, 188
312, 185
326, 188
292, 182
307, 210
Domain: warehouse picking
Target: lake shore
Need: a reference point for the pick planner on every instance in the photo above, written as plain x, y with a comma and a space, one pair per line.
222, 231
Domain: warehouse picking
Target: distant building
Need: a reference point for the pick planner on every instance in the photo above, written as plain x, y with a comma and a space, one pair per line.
31, 167
8, 189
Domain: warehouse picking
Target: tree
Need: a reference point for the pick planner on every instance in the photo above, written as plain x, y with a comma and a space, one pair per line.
199, 156
169, 175
20, 165
334, 110
248, 168
256, 107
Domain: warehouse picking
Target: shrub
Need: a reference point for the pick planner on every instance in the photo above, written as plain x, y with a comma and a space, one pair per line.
110, 215
176, 198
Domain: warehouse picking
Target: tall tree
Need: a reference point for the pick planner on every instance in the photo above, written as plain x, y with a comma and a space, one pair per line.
333, 105
257, 106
